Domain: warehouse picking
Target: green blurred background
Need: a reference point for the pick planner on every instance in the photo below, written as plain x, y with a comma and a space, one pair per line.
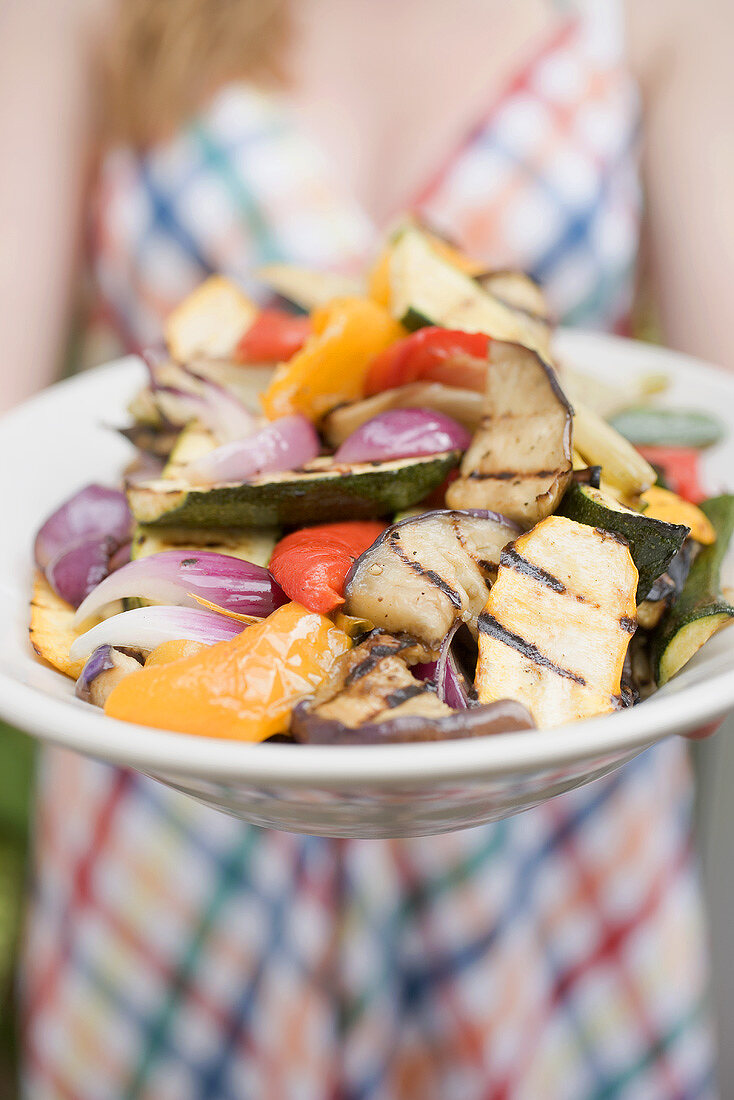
16, 773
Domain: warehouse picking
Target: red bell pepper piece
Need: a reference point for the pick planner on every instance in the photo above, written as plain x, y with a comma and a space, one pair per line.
273, 337
311, 565
434, 355
680, 467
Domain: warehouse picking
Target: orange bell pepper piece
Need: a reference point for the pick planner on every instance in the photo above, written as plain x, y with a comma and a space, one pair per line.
330, 367
243, 688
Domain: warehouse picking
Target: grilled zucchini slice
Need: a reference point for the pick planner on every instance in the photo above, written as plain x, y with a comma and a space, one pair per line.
556, 627
520, 460
701, 609
319, 492
426, 290
653, 543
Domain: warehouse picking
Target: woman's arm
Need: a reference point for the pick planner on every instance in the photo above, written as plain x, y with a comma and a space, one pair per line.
684, 52
44, 115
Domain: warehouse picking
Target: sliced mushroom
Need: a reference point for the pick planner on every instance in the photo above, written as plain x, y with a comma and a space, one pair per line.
520, 460
426, 572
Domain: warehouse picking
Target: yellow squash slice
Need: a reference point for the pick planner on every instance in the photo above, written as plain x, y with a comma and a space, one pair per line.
555, 630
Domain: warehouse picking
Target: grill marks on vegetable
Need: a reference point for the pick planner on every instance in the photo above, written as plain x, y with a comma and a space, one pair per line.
554, 635
488, 625
519, 462
513, 559
425, 573
373, 682
429, 574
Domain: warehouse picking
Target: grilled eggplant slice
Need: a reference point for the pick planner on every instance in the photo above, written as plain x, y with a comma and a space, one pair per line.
702, 608
463, 405
653, 543
426, 572
504, 716
372, 680
371, 696
425, 289
558, 622
520, 461
518, 290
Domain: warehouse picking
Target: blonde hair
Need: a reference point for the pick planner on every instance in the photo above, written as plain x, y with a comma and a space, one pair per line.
162, 59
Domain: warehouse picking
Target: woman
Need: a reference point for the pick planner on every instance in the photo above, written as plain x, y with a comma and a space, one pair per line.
171, 951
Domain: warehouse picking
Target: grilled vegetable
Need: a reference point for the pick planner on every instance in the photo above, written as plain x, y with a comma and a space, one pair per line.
273, 337
210, 321
648, 425
677, 469
323, 491
424, 573
519, 462
255, 545
244, 688
652, 543
103, 671
307, 288
701, 609
371, 696
601, 445
462, 405
518, 290
556, 627
400, 433
330, 367
426, 290
668, 507
431, 355
311, 565
371, 681
52, 631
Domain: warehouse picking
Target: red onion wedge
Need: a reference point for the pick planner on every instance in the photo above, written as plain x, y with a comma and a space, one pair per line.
285, 444
179, 576
93, 511
145, 628
214, 406
192, 396
450, 684
79, 568
403, 433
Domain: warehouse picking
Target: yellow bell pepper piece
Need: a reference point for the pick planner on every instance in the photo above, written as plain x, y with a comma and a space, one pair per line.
330, 368
668, 507
244, 688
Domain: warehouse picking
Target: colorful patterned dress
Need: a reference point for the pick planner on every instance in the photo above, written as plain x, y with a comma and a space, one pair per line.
173, 953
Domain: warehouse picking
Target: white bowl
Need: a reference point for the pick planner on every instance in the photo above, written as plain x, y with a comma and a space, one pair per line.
57, 442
